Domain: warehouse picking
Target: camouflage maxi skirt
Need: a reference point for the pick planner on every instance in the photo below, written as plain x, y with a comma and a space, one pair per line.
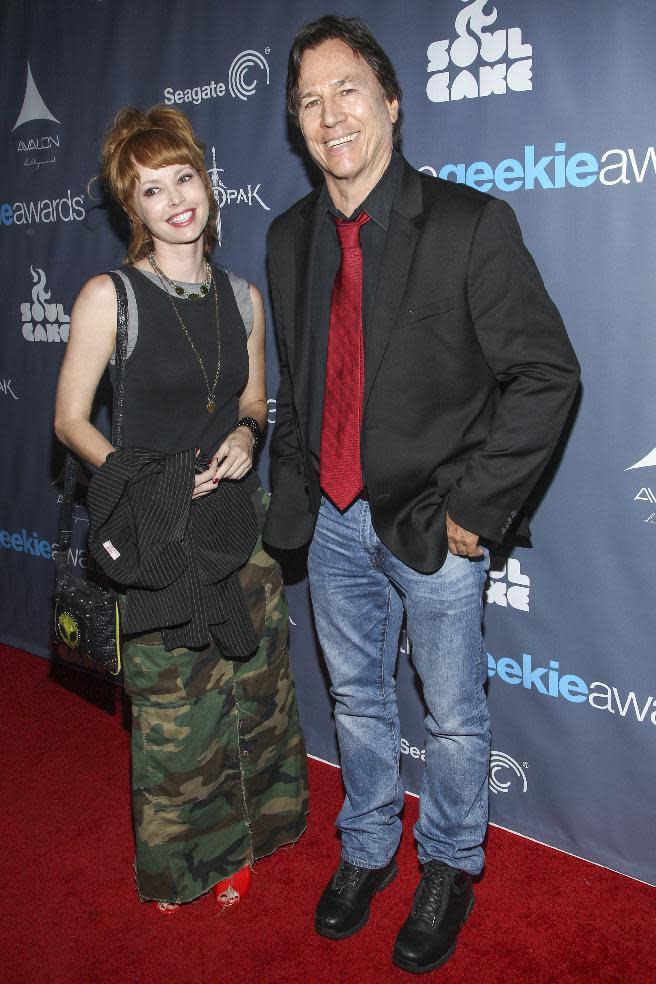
218, 759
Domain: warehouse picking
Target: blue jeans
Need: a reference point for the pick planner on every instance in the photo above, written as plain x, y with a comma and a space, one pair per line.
360, 592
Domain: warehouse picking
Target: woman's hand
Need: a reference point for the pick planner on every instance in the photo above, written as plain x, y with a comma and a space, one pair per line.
233, 460
204, 481
235, 456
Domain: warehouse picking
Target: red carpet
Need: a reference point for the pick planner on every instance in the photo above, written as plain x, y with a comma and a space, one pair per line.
70, 912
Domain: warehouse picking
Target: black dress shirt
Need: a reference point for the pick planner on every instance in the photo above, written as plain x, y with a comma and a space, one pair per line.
378, 206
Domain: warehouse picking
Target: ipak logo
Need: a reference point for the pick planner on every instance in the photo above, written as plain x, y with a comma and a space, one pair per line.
248, 68
38, 144
646, 493
246, 195
505, 771
508, 587
43, 321
6, 388
484, 63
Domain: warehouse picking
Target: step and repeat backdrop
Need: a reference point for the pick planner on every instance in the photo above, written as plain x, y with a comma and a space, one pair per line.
549, 106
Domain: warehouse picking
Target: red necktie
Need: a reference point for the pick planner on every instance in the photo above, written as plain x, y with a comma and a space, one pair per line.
340, 465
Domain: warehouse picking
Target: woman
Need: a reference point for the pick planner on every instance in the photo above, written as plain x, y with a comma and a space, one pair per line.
218, 762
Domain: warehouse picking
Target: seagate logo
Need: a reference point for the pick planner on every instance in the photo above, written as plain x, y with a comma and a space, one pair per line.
241, 82
504, 771
38, 146
41, 320
247, 70
486, 63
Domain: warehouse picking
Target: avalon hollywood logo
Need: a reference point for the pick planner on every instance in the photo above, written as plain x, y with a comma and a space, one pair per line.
486, 63
646, 493
38, 143
245, 195
43, 321
246, 71
505, 771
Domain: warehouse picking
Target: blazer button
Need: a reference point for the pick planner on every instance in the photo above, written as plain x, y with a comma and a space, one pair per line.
306, 487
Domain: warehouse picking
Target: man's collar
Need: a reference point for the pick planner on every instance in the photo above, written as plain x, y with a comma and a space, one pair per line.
378, 203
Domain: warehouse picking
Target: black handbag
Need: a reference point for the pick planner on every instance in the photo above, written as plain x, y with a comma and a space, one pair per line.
87, 617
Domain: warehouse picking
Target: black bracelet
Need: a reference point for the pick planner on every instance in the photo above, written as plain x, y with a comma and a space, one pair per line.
253, 427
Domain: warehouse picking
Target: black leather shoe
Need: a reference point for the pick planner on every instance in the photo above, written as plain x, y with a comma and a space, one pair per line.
344, 906
440, 906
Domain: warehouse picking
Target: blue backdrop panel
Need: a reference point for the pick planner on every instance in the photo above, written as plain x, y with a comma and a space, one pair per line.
548, 106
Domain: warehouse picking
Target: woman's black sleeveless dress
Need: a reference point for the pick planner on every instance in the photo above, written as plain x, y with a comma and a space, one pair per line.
218, 759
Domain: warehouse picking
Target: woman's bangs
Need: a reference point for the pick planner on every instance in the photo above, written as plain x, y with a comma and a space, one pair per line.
158, 148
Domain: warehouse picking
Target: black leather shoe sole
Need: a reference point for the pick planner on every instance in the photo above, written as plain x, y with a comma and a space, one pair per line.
334, 934
414, 968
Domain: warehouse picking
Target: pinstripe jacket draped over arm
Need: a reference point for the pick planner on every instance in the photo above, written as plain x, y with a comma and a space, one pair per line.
176, 558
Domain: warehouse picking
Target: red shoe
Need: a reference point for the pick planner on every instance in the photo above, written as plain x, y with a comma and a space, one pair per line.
235, 887
168, 908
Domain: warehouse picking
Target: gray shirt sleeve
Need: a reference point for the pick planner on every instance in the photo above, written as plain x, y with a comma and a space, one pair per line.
243, 299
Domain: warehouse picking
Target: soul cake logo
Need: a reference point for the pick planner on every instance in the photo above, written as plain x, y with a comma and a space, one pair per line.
509, 587
507, 61
41, 320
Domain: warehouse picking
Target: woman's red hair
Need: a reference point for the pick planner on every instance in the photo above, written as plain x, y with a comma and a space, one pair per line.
156, 138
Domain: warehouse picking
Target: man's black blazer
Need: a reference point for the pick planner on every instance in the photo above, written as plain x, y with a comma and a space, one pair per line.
469, 374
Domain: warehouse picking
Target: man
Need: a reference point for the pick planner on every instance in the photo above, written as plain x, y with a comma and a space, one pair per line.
425, 379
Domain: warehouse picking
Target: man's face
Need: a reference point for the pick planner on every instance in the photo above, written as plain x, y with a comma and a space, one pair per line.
344, 116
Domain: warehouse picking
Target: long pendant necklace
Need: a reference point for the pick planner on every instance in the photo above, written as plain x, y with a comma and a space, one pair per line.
164, 280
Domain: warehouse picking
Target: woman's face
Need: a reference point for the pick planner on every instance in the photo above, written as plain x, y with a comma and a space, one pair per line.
171, 202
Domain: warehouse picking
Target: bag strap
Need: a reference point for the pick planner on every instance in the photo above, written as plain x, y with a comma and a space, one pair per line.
70, 472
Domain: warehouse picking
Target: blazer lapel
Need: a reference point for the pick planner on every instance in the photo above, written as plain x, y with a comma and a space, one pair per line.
400, 242
305, 244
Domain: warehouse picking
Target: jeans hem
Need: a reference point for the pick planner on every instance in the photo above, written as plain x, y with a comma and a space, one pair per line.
459, 867
365, 864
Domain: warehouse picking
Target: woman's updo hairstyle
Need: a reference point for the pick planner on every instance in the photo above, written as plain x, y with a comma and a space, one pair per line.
156, 138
